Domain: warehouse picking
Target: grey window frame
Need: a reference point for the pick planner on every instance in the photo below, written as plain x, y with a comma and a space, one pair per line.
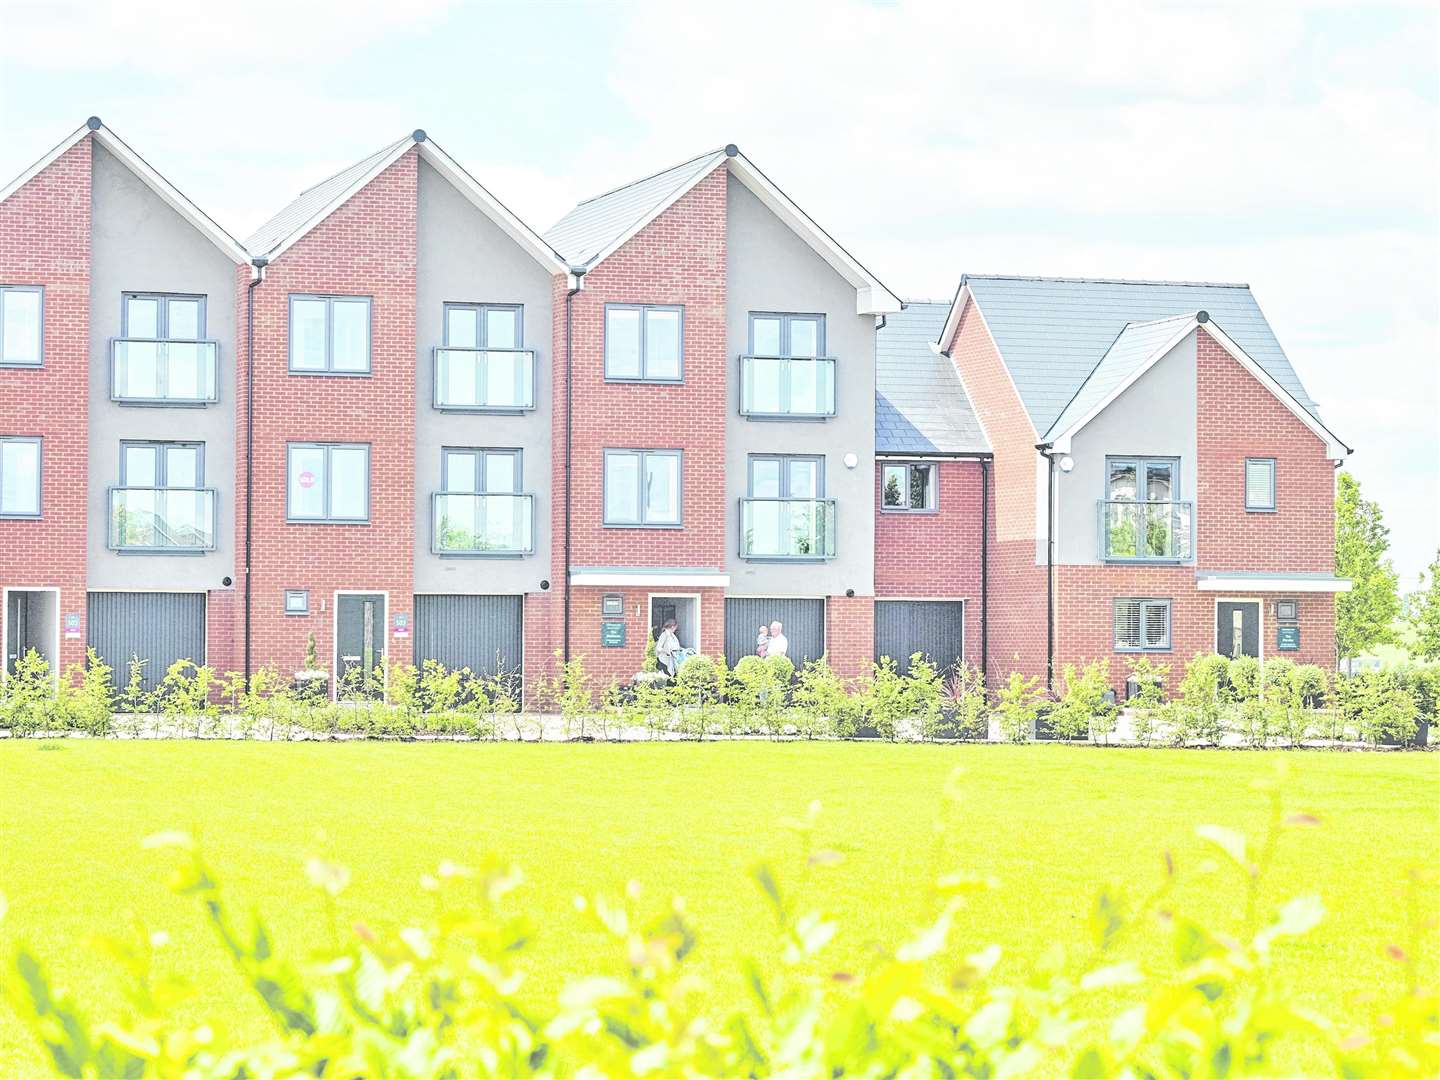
329, 368
786, 317
784, 460
304, 608
162, 322
641, 523
39, 441
328, 519
480, 309
160, 446
908, 466
643, 309
1146, 603
1274, 492
1140, 461
786, 353
40, 352
481, 453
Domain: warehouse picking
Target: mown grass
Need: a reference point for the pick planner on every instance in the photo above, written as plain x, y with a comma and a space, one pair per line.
1051, 823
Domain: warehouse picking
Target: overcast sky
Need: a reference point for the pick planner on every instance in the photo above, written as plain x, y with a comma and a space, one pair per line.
1291, 146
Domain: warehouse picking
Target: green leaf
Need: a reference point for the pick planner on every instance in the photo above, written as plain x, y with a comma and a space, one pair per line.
990, 1023
1121, 974
1229, 841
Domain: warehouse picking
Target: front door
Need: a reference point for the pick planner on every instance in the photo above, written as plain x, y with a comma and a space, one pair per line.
17, 633
359, 645
1237, 628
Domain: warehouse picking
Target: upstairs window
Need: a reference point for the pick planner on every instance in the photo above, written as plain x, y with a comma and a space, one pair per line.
481, 366
1260, 484
786, 372
644, 343
328, 482
482, 472
330, 335
642, 487
483, 326
161, 356
19, 477
161, 465
21, 325
908, 487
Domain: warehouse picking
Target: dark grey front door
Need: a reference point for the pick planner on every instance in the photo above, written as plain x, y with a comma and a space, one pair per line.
359, 645
17, 630
1237, 628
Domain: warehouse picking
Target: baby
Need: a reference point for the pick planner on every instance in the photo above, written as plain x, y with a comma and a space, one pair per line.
762, 642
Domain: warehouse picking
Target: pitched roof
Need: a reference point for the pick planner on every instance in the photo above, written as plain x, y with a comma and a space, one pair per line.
920, 403
595, 223
1053, 332
599, 226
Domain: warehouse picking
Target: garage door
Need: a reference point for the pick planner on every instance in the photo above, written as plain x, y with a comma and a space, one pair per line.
804, 625
933, 627
158, 628
483, 633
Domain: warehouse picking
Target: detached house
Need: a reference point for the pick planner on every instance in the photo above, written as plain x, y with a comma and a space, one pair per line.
398, 421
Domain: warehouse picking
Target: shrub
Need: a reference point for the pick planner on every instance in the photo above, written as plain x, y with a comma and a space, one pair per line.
27, 697
87, 696
761, 685
698, 681
923, 693
823, 706
884, 702
1377, 706
135, 699
1148, 711
964, 705
1084, 709
1017, 707
569, 694
1198, 719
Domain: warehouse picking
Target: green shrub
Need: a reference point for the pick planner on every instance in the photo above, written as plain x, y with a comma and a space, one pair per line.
1378, 706
1084, 711
1017, 707
823, 704
923, 696
884, 700
27, 696
1198, 717
1149, 712
569, 693
965, 710
698, 681
87, 696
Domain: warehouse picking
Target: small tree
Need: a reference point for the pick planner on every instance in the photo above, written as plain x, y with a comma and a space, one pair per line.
1147, 705
1202, 697
88, 695
965, 703
884, 702
1084, 709
824, 704
1364, 615
1424, 614
924, 692
1017, 707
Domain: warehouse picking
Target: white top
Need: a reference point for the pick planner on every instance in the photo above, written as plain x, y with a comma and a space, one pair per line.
779, 645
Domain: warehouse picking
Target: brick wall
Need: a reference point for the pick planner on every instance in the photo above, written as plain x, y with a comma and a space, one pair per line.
936, 556
45, 240
365, 248
850, 634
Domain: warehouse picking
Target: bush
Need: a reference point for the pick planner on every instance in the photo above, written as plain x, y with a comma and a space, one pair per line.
87, 696
1017, 707
1378, 706
823, 705
965, 711
923, 694
27, 697
884, 699
1149, 713
1084, 709
1198, 718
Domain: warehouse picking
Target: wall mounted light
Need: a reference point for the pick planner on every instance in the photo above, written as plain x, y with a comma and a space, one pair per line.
1067, 463
851, 461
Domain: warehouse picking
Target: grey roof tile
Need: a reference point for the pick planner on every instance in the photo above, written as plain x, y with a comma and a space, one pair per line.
920, 404
593, 225
311, 201
1052, 332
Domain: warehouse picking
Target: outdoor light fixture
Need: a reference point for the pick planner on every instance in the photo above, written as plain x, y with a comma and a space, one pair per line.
851, 461
1067, 463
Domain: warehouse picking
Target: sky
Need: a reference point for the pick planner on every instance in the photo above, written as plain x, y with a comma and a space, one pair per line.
1292, 146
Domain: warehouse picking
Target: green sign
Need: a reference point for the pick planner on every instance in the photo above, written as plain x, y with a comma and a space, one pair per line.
1288, 638
612, 633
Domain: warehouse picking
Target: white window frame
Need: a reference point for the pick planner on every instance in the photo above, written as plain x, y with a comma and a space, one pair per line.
640, 521
39, 442
933, 508
327, 489
301, 597
1145, 603
1258, 508
644, 376
330, 300
39, 361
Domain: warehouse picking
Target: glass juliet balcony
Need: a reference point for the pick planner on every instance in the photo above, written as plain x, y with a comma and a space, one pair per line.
163, 372
787, 528
1146, 531
478, 380
162, 519
466, 524
779, 386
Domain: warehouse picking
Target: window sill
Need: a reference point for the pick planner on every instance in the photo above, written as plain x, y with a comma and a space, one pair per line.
493, 410
326, 521
331, 374
644, 382
785, 560
21, 517
798, 418
1260, 509
904, 510
482, 554
22, 365
162, 403
641, 525
1130, 560
188, 553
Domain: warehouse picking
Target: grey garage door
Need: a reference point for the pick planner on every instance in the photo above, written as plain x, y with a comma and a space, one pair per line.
933, 627
483, 633
158, 628
804, 626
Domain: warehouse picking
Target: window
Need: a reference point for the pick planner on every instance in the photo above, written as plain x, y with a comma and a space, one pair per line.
1141, 518
787, 477
480, 509
908, 487
481, 365
330, 335
642, 487
483, 326
481, 472
21, 325
19, 477
1259, 483
161, 355
1142, 480
1142, 625
787, 373
328, 482
161, 465
786, 515
297, 601
644, 343
161, 503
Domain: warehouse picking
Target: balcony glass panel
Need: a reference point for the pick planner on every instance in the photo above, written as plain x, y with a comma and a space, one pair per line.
787, 528
1146, 531
468, 524
484, 378
181, 372
162, 519
787, 386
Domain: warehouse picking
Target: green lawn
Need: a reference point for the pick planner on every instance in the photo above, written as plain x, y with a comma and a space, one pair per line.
1050, 822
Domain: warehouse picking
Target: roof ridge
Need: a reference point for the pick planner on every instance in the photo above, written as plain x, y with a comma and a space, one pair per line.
1110, 281
1156, 322
651, 176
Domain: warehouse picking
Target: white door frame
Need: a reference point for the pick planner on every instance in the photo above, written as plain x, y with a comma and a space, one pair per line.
5, 626
335, 637
1260, 621
699, 610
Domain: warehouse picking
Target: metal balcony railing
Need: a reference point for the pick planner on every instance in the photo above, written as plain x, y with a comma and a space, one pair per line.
781, 386
1133, 531
162, 519
787, 528
484, 380
468, 524
148, 372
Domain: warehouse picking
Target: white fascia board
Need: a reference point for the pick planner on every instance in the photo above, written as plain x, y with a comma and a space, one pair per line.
1335, 450
952, 317
493, 208
172, 196
871, 296
1278, 583
401, 149
650, 577
44, 163
1061, 443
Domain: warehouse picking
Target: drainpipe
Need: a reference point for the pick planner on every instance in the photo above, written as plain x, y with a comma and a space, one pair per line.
984, 571
578, 272
257, 275
1044, 449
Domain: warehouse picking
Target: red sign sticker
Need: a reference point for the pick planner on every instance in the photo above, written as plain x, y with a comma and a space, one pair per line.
307, 479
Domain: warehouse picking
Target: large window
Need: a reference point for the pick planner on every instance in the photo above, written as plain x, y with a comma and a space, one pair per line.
21, 325
19, 477
1259, 483
162, 465
330, 335
480, 509
328, 482
908, 487
481, 366
644, 342
1142, 625
786, 515
642, 487
1141, 517
161, 503
161, 355
786, 372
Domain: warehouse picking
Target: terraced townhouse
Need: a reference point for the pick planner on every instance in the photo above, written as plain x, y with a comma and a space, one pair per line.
400, 421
